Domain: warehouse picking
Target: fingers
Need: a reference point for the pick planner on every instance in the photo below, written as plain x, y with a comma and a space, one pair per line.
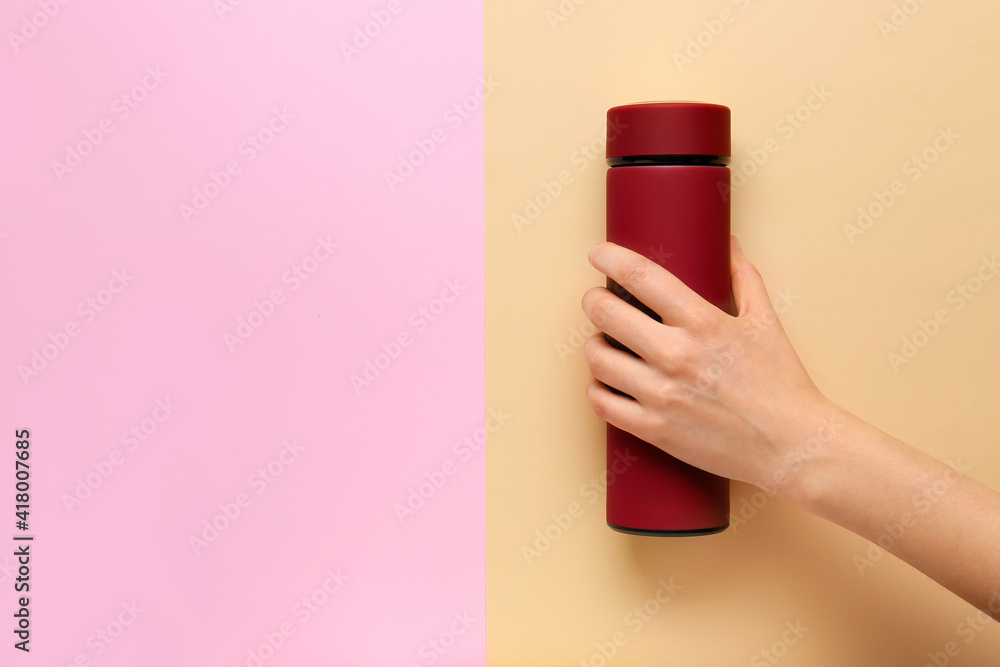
616, 368
622, 321
649, 282
749, 293
619, 411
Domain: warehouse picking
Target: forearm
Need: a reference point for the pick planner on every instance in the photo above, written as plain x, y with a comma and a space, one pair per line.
729, 395
925, 512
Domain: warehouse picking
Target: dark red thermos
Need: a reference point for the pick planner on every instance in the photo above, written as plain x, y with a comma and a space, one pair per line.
668, 199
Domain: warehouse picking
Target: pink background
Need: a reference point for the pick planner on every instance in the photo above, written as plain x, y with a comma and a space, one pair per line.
160, 336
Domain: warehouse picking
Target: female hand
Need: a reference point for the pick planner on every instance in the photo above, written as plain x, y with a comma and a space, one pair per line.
729, 395
726, 394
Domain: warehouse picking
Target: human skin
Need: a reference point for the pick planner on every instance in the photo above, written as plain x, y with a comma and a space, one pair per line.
729, 394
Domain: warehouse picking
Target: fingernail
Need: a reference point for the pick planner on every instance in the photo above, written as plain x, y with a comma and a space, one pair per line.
591, 251
736, 242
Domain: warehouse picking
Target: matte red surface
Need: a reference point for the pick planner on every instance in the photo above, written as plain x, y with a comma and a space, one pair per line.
668, 128
678, 216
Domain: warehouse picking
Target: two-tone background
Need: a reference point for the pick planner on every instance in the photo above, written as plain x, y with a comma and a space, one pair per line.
245, 287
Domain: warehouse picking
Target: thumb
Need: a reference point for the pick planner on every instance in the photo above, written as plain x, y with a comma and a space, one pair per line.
749, 293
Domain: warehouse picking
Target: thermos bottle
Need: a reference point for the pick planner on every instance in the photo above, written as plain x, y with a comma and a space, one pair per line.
668, 199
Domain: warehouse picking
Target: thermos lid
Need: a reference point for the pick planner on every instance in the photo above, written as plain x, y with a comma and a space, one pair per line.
668, 128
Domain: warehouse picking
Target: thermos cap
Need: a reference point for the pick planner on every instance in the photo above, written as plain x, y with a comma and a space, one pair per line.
668, 128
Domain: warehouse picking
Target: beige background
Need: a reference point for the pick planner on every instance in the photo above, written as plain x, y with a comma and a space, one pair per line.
851, 304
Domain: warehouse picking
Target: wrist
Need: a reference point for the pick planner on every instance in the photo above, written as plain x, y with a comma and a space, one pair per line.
810, 452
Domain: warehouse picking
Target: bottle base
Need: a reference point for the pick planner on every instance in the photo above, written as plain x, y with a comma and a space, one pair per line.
669, 533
